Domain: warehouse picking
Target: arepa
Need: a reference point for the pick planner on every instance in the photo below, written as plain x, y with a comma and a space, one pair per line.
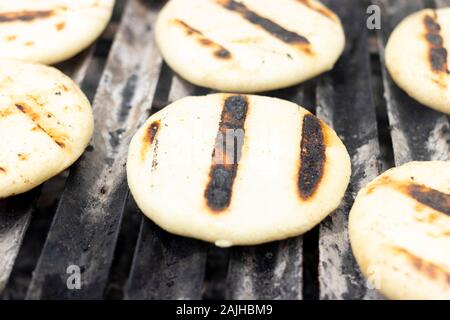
400, 231
50, 31
249, 45
46, 123
237, 169
417, 57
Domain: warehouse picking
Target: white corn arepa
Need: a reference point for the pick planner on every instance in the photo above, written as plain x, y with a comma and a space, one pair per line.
400, 231
291, 170
50, 31
45, 124
249, 45
417, 57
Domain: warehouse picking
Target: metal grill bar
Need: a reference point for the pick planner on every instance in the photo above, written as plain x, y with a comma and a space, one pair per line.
345, 101
166, 267
270, 271
15, 216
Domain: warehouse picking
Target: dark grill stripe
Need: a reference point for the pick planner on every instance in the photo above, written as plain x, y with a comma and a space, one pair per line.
430, 269
35, 118
426, 196
152, 131
312, 158
220, 187
268, 25
432, 198
437, 54
219, 51
25, 15
150, 137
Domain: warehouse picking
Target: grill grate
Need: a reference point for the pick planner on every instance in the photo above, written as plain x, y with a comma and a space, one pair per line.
135, 83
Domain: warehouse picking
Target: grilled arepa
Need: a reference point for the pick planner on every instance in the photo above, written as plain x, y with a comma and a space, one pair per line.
249, 45
45, 124
400, 231
50, 31
237, 169
417, 57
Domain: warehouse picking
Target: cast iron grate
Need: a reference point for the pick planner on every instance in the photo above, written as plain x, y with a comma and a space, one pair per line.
95, 225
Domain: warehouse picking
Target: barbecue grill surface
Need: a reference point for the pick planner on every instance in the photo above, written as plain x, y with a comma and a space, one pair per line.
91, 221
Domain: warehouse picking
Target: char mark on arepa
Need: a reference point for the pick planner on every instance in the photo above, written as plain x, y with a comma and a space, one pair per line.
432, 198
25, 16
218, 50
427, 268
226, 153
35, 117
312, 157
322, 10
268, 25
437, 53
150, 138
152, 131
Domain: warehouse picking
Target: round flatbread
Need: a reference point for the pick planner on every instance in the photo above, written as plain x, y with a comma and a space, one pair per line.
400, 231
45, 124
50, 31
418, 60
237, 170
249, 45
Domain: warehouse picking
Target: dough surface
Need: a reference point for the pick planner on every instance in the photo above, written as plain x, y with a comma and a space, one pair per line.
46, 123
50, 31
400, 231
250, 45
237, 170
418, 60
